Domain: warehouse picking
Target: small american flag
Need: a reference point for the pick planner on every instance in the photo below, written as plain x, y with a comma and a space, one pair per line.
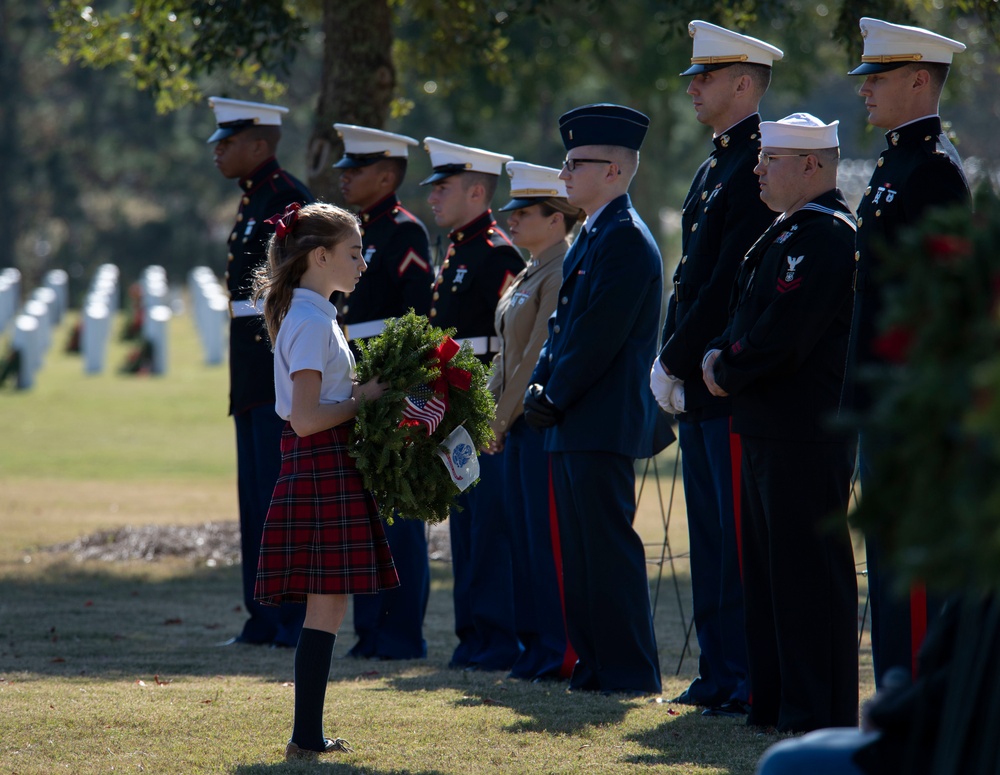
423, 405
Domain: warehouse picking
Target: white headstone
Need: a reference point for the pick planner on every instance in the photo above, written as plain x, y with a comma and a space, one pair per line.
28, 345
155, 332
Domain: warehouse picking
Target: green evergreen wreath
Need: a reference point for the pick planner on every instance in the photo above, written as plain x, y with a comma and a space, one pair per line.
400, 465
933, 430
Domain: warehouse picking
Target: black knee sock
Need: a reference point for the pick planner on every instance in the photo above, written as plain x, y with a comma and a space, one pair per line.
312, 672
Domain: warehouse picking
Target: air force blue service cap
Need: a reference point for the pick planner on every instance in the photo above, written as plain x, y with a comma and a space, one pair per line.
716, 47
449, 159
232, 116
800, 132
603, 124
364, 146
531, 184
888, 46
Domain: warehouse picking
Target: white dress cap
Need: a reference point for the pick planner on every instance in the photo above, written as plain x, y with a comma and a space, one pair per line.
232, 116
799, 131
450, 158
530, 180
227, 110
716, 47
363, 140
888, 46
531, 184
364, 145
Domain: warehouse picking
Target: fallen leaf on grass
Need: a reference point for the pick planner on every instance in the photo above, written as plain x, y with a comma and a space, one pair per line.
491, 701
140, 682
172, 621
206, 702
672, 712
158, 681
288, 683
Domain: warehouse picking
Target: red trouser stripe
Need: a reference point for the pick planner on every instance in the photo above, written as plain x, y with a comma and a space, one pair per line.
918, 622
569, 656
736, 460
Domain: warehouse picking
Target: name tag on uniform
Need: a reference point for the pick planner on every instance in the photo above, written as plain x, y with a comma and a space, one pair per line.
519, 298
250, 224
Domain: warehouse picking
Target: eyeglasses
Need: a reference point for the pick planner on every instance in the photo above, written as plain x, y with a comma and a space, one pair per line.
765, 158
570, 164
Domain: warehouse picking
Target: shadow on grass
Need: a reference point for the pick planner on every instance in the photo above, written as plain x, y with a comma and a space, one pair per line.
325, 766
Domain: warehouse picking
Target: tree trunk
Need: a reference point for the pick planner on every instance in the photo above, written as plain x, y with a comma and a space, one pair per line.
357, 83
10, 153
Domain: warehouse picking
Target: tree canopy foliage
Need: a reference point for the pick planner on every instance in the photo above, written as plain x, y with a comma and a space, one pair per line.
103, 121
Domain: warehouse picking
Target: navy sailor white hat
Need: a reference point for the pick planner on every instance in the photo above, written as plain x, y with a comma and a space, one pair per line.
799, 131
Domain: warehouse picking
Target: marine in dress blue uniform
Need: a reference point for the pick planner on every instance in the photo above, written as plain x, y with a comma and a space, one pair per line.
722, 217
783, 359
904, 70
479, 265
389, 624
590, 393
246, 138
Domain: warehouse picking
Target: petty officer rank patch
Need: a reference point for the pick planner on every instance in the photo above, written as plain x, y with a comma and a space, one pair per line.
789, 282
460, 274
369, 252
250, 224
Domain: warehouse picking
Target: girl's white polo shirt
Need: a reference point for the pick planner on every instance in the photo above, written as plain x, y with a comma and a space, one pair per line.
309, 338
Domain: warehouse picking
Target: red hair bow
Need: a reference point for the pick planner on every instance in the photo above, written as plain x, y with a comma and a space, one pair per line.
283, 223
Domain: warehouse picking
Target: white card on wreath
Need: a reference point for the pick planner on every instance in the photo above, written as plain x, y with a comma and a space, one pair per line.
460, 458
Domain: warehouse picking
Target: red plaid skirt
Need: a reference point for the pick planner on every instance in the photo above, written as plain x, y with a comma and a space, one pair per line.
322, 535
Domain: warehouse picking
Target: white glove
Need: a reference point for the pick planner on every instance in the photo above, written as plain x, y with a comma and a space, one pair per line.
667, 389
677, 398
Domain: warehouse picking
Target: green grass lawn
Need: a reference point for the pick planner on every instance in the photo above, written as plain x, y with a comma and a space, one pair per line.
112, 666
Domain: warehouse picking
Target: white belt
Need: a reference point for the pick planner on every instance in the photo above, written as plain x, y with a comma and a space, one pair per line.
365, 330
482, 344
243, 308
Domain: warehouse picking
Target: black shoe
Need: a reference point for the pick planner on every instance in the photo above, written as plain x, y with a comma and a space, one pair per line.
685, 698
730, 709
293, 752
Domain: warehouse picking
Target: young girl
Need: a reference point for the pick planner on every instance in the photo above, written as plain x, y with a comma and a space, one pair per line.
322, 538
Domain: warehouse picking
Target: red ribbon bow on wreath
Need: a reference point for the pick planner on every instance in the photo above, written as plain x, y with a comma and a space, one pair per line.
426, 404
283, 223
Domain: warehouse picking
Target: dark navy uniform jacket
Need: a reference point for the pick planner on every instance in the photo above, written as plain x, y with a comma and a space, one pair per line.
784, 352
399, 268
723, 216
266, 192
602, 338
480, 264
919, 169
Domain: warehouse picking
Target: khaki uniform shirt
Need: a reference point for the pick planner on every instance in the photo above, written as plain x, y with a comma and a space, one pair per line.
522, 324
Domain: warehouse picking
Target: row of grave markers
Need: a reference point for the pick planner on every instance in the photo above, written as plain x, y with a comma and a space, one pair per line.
34, 321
